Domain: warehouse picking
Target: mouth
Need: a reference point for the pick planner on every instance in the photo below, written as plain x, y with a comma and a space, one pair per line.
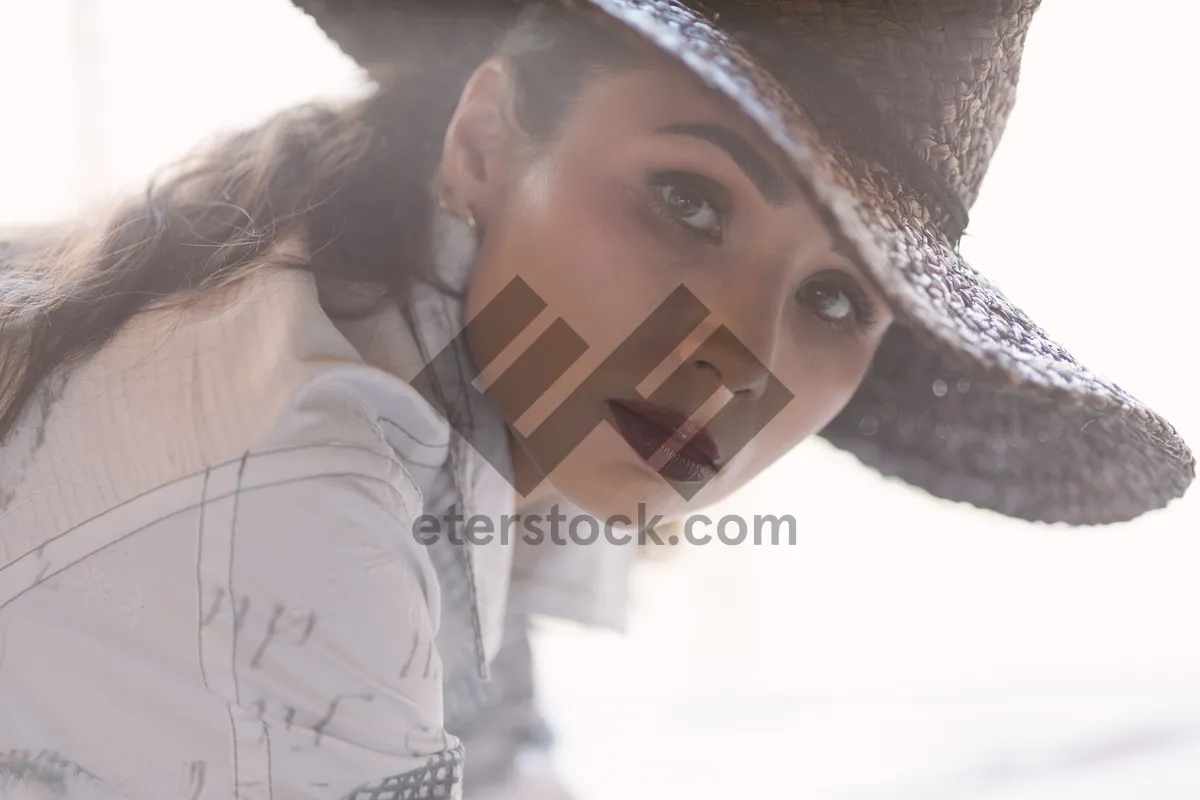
666, 440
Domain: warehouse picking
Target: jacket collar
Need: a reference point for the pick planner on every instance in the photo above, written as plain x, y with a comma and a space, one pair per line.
479, 437
387, 341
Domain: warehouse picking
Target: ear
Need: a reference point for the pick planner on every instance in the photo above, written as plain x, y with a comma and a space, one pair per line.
481, 141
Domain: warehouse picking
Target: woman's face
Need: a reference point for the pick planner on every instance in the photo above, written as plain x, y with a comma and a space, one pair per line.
652, 188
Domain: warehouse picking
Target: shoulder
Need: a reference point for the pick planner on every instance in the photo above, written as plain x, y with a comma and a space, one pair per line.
256, 374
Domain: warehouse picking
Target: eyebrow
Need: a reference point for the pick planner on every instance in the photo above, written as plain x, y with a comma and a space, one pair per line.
748, 157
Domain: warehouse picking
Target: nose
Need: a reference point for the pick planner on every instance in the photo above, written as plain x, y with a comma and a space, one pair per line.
732, 361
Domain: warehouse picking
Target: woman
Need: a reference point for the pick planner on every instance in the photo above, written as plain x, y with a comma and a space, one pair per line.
258, 467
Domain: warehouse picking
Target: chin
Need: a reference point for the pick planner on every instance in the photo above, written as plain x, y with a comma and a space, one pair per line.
606, 478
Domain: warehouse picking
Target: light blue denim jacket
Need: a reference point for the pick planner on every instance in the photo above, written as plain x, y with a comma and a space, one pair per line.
209, 582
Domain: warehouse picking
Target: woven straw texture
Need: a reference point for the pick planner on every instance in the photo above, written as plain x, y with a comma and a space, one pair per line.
890, 111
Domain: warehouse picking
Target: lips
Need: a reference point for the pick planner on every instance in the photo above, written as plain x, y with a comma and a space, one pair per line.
665, 439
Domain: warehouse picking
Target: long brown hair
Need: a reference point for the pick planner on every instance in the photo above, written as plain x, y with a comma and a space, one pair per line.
351, 181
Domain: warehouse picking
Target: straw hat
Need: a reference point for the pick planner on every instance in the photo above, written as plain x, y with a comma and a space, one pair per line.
903, 105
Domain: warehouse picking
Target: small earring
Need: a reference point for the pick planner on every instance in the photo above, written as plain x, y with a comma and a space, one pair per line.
443, 203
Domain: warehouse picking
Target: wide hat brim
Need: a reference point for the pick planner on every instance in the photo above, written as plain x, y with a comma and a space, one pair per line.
967, 397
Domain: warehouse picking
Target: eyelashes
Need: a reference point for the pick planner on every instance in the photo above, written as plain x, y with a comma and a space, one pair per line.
698, 207
690, 202
837, 300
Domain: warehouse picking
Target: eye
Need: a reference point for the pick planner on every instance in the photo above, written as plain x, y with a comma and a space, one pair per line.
685, 203
690, 207
836, 301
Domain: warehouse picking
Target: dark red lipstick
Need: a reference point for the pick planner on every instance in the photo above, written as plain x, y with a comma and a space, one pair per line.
665, 439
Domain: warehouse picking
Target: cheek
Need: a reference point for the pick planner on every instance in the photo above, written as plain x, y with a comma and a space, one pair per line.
573, 239
822, 382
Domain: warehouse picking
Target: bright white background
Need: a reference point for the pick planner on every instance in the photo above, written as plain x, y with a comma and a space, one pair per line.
904, 647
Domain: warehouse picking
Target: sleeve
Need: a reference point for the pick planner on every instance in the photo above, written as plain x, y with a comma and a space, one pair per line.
327, 654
